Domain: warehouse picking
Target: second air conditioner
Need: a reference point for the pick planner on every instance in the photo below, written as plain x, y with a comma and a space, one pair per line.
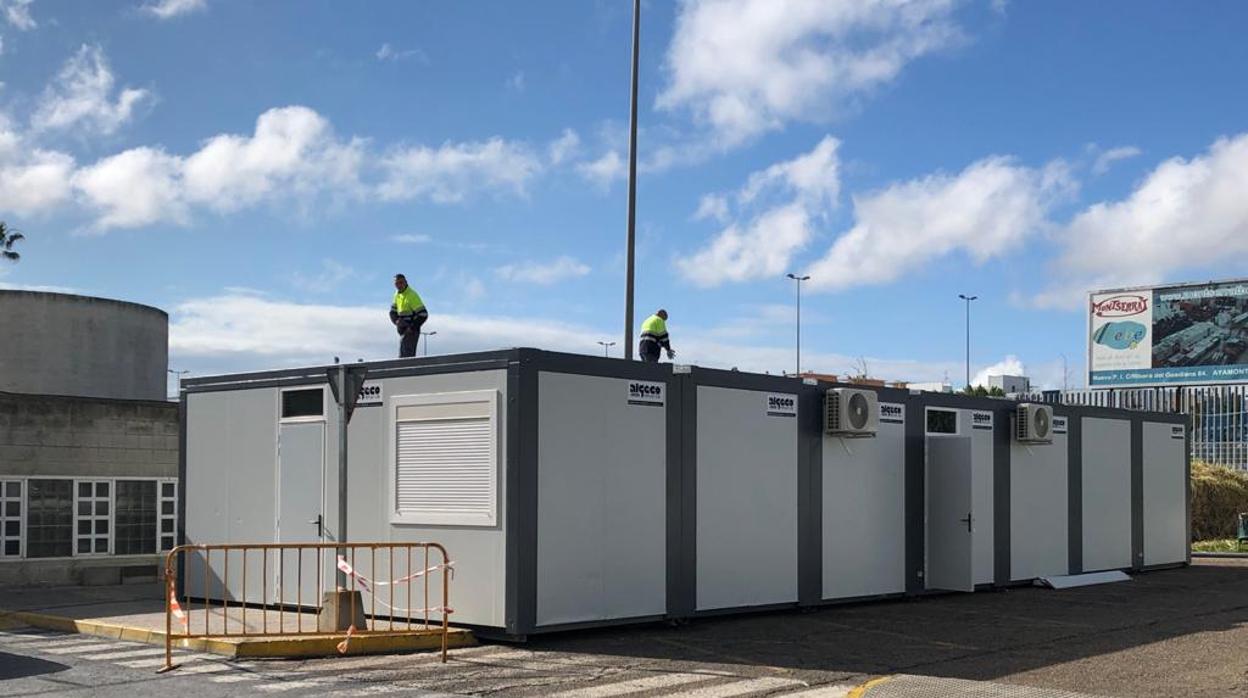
851, 412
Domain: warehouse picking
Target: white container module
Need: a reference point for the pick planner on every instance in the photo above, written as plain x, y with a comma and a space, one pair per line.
863, 489
575, 491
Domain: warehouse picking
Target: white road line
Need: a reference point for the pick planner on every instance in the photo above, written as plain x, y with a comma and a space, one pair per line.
234, 678
54, 641
204, 668
740, 688
155, 662
144, 652
836, 691
278, 687
623, 688
89, 647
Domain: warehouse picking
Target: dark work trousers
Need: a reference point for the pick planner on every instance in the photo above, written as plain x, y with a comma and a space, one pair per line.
410, 335
649, 351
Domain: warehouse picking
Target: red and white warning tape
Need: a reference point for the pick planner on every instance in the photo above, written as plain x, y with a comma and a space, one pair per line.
368, 584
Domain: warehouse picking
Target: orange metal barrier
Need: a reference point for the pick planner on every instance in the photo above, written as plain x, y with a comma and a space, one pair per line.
218, 591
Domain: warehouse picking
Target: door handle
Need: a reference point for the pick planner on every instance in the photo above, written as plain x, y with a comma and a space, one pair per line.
320, 525
967, 521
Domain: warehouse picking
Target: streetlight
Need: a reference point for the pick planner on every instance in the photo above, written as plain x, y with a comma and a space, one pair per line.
968, 300
632, 189
799, 280
427, 335
606, 347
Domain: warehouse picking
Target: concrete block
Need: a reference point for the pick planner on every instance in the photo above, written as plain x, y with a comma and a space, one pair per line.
336, 611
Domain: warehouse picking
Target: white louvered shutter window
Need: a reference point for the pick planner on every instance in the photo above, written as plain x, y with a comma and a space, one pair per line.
445, 461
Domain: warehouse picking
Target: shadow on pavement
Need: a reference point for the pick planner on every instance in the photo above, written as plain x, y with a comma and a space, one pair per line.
13, 666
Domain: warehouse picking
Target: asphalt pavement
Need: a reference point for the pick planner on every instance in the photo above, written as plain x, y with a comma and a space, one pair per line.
1173, 632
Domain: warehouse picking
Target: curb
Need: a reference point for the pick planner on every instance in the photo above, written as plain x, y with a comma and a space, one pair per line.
263, 647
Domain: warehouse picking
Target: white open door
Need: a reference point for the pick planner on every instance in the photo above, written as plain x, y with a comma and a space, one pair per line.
950, 514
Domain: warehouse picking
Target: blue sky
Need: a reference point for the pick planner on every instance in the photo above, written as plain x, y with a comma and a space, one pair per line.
260, 170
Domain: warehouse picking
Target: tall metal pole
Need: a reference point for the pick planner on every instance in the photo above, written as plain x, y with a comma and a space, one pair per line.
342, 468
632, 188
968, 300
799, 280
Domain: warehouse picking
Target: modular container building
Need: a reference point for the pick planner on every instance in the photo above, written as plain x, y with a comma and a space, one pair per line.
575, 491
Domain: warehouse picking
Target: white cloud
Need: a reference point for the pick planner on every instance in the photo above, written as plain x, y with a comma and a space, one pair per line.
605, 170
411, 238
392, 54
516, 82
1187, 214
81, 97
984, 211
293, 150
453, 171
712, 207
238, 331
134, 188
743, 67
543, 274
1106, 159
31, 180
168, 9
1009, 366
330, 277
760, 248
789, 197
17, 14
564, 147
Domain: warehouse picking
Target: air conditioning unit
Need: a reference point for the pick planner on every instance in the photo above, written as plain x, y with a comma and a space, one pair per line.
1033, 424
851, 412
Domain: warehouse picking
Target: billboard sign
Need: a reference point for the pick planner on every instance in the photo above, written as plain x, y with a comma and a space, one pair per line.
1172, 335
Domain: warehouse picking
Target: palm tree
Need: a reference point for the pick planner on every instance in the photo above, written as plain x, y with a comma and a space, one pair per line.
8, 236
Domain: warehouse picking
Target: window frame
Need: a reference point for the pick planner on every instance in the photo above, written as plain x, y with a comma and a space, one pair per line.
5, 517
303, 418
432, 518
24, 530
93, 517
957, 421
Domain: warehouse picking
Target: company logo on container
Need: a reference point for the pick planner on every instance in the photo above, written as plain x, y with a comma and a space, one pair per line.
640, 393
1120, 306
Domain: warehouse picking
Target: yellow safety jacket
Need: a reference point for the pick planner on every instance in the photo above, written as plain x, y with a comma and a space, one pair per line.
407, 303
654, 329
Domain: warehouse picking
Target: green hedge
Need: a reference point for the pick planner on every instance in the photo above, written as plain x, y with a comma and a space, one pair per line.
1218, 496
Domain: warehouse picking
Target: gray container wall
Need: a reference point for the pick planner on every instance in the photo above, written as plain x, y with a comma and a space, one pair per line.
863, 509
59, 344
610, 512
747, 500
1106, 493
602, 502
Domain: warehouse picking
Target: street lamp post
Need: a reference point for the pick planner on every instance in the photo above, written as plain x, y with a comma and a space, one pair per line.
427, 336
799, 279
606, 347
968, 300
632, 189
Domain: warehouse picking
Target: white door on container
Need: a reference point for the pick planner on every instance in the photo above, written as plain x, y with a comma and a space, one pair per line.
301, 469
950, 514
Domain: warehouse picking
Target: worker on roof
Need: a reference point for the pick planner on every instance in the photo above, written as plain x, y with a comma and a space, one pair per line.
654, 338
408, 313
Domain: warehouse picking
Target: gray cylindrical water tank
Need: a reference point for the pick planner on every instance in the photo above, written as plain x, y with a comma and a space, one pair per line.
62, 344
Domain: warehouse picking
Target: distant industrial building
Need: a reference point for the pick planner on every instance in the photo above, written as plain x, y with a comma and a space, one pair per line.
1010, 384
88, 441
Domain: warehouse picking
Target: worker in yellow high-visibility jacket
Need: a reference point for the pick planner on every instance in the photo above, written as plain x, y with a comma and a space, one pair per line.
654, 337
408, 313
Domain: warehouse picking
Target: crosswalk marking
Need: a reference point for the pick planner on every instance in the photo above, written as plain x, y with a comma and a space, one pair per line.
155, 662
622, 688
834, 691
233, 678
54, 641
741, 688
81, 648
126, 654
289, 685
